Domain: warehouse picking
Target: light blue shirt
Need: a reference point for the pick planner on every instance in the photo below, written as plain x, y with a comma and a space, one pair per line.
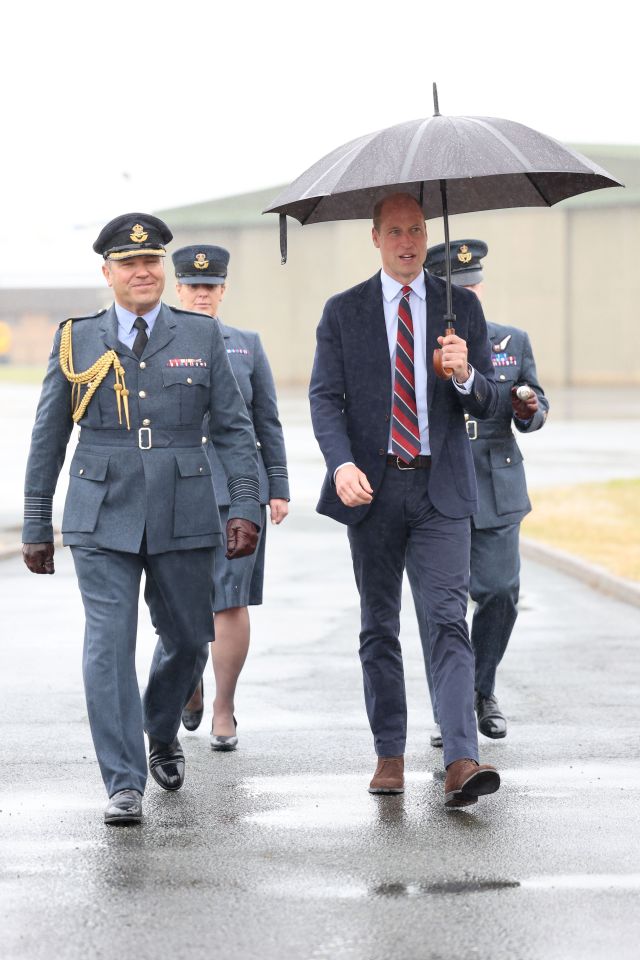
127, 333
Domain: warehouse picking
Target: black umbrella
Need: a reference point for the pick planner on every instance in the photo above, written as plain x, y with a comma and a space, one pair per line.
449, 164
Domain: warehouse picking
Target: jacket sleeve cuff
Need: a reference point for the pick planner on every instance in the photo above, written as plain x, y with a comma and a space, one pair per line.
278, 483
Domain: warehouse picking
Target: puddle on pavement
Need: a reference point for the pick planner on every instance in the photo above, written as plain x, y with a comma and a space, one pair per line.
317, 802
607, 776
585, 881
317, 888
36, 802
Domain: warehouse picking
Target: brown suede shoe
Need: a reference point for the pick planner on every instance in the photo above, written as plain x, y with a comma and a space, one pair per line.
389, 776
466, 781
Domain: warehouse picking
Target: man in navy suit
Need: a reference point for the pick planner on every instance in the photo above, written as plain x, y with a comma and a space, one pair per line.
400, 475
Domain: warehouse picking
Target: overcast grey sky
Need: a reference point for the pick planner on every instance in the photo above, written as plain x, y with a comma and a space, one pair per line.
111, 107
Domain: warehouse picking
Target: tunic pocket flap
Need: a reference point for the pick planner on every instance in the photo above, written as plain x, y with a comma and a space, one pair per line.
193, 465
505, 456
89, 466
189, 376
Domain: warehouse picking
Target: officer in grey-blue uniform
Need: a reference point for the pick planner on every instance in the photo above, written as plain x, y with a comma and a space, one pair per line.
139, 378
201, 280
503, 501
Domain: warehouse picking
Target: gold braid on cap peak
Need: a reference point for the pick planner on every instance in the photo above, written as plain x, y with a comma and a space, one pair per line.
93, 376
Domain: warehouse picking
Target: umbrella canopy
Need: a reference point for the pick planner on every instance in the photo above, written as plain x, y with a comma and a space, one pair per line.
450, 165
488, 164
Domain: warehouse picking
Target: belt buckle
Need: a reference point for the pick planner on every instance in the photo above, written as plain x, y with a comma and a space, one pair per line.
141, 440
472, 429
398, 461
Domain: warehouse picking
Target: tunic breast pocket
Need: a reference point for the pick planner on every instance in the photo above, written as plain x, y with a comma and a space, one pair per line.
195, 512
508, 478
188, 389
87, 490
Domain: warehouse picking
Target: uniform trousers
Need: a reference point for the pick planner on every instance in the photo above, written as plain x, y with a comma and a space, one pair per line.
402, 526
178, 593
495, 587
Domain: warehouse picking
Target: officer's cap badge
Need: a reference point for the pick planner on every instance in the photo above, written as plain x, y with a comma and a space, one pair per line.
464, 254
201, 262
137, 233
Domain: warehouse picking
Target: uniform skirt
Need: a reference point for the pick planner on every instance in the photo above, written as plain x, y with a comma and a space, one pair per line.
238, 583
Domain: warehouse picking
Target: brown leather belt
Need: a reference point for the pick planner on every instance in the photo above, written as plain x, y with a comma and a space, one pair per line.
418, 463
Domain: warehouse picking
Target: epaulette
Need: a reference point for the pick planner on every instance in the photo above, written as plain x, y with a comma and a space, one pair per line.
192, 313
89, 316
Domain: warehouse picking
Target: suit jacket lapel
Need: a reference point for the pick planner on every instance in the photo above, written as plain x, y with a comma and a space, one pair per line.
436, 306
374, 343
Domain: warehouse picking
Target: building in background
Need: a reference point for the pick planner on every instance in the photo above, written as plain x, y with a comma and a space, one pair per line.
566, 274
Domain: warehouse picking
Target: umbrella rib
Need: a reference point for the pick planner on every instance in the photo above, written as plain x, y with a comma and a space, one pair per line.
503, 140
413, 149
514, 152
358, 146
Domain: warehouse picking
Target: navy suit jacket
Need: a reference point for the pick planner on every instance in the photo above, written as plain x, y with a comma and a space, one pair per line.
351, 388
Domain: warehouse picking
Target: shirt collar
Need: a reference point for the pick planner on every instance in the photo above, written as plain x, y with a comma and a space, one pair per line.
126, 318
391, 288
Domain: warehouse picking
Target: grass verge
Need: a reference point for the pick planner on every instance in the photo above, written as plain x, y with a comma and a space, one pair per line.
598, 522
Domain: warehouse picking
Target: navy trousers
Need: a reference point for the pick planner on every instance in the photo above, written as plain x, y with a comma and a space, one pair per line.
178, 593
495, 587
402, 526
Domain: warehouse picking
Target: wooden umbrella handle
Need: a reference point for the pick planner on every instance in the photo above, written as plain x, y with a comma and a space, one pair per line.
440, 371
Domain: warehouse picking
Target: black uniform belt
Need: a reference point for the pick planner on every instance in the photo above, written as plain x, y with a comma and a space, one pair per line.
145, 438
475, 429
418, 463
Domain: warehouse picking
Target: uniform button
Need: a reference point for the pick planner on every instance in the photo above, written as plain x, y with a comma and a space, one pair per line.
387, 418
80, 472
200, 469
189, 380
204, 439
508, 459
146, 423
381, 452
502, 377
142, 394
143, 365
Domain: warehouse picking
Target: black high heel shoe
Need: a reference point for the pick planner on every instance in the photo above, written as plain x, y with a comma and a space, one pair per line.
191, 718
223, 743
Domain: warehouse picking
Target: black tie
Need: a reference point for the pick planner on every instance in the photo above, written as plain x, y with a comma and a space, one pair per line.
141, 339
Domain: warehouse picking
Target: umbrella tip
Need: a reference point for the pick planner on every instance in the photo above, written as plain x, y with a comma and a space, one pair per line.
436, 108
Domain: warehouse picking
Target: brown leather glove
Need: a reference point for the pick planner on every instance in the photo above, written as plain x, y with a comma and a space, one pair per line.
242, 538
523, 409
39, 557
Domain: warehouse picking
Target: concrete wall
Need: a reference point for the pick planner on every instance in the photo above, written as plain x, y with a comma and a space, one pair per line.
567, 275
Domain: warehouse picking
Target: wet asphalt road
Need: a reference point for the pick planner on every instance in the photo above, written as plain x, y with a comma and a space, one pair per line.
277, 850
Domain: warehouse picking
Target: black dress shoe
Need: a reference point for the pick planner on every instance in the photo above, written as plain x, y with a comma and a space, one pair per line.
191, 718
491, 720
166, 763
124, 807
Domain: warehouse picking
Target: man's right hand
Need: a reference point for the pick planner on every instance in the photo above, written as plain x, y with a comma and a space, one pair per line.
352, 486
39, 557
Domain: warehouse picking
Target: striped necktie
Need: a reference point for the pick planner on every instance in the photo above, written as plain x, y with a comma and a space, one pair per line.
405, 433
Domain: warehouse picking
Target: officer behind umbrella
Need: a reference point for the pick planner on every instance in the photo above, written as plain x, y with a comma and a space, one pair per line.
139, 378
502, 492
201, 283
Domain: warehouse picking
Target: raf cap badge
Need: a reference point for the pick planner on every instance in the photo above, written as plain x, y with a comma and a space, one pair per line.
464, 254
137, 233
201, 262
